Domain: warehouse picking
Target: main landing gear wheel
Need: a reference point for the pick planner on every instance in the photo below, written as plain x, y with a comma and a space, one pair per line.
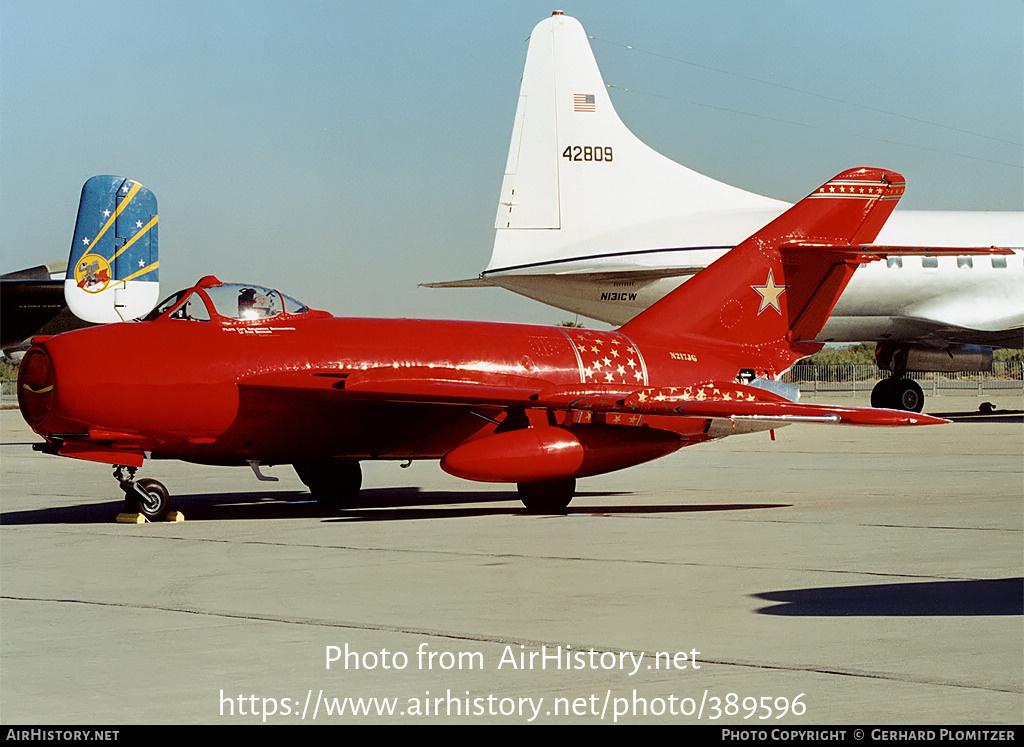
548, 496
898, 394
333, 482
146, 496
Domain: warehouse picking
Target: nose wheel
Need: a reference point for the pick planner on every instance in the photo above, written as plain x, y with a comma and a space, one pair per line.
146, 496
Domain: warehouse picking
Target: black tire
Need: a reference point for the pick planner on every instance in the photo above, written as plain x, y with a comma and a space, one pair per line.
333, 482
909, 396
547, 497
157, 503
884, 394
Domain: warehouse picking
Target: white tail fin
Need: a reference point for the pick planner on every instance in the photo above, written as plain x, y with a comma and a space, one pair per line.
579, 184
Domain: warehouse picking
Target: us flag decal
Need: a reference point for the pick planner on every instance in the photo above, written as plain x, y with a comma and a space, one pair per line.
583, 102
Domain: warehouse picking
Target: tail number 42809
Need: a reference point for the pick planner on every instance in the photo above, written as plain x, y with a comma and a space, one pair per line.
588, 152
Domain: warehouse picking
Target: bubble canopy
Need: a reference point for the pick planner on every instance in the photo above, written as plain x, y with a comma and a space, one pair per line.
234, 301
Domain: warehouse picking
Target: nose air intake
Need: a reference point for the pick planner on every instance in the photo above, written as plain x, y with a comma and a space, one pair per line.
35, 385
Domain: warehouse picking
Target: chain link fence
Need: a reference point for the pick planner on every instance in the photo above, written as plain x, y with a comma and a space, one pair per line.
861, 377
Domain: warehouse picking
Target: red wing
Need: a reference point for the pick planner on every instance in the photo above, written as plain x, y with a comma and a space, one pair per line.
727, 400
869, 252
789, 412
460, 387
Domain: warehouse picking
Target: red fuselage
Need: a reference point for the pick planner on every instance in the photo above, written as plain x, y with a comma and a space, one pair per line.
225, 373
225, 391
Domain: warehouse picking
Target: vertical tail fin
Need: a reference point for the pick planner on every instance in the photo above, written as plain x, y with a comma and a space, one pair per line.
774, 291
113, 271
579, 183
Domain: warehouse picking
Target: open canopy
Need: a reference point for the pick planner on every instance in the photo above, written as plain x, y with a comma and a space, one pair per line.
227, 301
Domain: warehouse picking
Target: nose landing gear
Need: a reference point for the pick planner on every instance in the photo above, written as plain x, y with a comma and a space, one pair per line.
146, 496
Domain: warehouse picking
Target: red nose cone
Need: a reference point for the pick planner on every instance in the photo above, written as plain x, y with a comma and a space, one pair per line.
35, 385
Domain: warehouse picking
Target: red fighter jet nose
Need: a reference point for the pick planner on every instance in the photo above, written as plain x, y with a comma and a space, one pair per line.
35, 385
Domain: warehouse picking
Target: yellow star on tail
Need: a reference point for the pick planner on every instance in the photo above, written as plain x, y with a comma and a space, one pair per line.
770, 293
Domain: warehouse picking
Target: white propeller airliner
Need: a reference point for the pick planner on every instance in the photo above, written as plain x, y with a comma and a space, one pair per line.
593, 221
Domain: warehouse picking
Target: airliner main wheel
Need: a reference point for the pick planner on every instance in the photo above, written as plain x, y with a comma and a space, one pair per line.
150, 498
898, 394
909, 395
547, 497
333, 482
883, 394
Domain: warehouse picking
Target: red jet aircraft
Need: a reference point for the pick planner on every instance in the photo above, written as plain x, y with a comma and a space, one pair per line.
238, 374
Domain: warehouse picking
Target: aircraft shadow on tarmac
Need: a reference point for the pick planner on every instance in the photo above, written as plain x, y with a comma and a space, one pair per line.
975, 597
376, 504
983, 416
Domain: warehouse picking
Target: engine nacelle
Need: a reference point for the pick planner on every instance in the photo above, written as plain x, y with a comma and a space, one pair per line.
898, 357
551, 452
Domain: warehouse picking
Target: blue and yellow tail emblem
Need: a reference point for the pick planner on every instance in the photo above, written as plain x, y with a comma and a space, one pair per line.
113, 269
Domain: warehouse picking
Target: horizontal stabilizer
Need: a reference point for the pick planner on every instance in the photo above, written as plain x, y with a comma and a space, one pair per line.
478, 282
602, 274
49, 271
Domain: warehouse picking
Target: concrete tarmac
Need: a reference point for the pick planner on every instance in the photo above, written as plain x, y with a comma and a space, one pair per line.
833, 576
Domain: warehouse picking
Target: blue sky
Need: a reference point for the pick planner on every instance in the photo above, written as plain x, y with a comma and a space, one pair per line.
346, 151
